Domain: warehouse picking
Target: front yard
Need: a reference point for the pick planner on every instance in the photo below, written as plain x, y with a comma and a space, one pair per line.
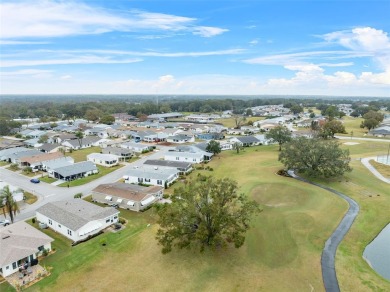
81, 155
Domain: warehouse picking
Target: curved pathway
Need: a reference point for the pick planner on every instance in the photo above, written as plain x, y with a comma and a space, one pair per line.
367, 164
329, 252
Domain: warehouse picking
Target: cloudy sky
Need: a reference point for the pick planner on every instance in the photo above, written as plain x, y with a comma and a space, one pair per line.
334, 47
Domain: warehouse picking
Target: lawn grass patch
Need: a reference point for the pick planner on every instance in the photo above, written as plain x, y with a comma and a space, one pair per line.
47, 179
81, 154
30, 198
102, 172
230, 123
383, 169
3, 163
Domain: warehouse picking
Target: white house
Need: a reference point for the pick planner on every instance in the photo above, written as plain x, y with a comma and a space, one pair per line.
20, 243
107, 160
192, 157
136, 147
76, 219
180, 139
73, 171
152, 176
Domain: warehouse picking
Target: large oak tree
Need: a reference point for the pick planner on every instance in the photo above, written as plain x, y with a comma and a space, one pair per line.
205, 213
315, 157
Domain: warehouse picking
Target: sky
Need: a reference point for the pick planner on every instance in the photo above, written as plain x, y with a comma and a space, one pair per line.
240, 47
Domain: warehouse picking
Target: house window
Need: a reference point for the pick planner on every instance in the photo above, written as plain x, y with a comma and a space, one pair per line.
147, 179
70, 232
14, 265
159, 182
140, 179
194, 159
59, 226
115, 217
108, 220
41, 248
177, 158
7, 267
50, 222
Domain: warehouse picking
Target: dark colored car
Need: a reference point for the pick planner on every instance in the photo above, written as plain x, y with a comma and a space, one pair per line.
35, 180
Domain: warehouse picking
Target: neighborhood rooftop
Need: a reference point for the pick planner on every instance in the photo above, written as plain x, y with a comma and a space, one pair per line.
127, 191
75, 213
168, 163
80, 167
20, 240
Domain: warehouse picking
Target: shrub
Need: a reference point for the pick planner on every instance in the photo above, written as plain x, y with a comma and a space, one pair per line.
78, 195
121, 220
27, 170
14, 166
33, 220
45, 252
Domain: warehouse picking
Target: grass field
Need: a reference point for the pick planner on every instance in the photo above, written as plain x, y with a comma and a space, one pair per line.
282, 251
81, 155
230, 123
47, 179
381, 168
81, 181
285, 242
30, 198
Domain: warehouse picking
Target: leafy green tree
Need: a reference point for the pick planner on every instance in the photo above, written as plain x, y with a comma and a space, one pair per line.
79, 135
315, 157
205, 213
331, 112
280, 135
43, 138
312, 115
214, 147
249, 112
296, 109
107, 119
332, 127
237, 146
238, 120
371, 119
8, 201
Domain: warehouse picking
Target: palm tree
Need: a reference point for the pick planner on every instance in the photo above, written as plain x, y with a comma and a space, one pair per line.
8, 201
79, 136
237, 146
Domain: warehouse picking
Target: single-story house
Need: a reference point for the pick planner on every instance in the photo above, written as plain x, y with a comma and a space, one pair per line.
191, 157
150, 176
16, 157
5, 154
107, 160
381, 131
245, 141
20, 243
56, 163
180, 139
136, 147
49, 147
35, 161
76, 219
73, 171
182, 167
34, 142
210, 136
86, 142
6, 143
127, 196
122, 153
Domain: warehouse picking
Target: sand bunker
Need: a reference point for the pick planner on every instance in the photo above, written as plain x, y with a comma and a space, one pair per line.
351, 143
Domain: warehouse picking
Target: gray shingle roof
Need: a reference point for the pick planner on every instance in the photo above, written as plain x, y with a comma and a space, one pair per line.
163, 174
20, 240
76, 168
247, 139
168, 163
75, 213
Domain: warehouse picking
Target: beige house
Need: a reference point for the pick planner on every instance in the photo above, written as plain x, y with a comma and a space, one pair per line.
20, 243
127, 196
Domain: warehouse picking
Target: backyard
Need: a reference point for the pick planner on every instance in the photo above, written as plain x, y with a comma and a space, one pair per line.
281, 253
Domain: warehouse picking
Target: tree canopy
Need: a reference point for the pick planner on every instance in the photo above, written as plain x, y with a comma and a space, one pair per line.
330, 128
7, 201
213, 147
371, 119
205, 213
279, 134
315, 157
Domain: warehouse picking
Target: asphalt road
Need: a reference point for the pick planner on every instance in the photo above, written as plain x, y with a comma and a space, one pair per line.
329, 276
363, 139
49, 193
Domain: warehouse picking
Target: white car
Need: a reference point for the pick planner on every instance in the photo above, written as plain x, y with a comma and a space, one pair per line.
4, 222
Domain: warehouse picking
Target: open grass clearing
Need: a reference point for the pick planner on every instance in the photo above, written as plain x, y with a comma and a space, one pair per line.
230, 123
81, 155
81, 181
4, 163
383, 169
47, 179
285, 241
30, 198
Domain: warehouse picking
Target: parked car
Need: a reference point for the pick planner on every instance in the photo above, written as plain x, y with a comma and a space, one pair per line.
35, 180
4, 222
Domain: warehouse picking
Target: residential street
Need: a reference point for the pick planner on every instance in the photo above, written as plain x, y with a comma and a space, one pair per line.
48, 193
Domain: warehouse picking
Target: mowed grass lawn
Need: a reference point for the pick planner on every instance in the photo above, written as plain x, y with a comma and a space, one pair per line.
381, 168
81, 155
230, 123
282, 251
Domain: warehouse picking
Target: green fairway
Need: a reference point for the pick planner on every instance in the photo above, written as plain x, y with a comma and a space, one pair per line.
281, 253
285, 242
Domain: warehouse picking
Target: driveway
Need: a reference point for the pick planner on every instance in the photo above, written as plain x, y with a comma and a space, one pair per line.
328, 255
49, 193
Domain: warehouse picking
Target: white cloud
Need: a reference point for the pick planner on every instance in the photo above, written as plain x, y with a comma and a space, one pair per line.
67, 61
208, 31
24, 72
254, 42
42, 18
65, 77
7, 42
166, 79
